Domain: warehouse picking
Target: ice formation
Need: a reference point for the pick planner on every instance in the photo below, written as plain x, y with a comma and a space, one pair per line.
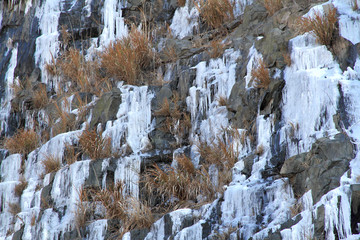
310, 100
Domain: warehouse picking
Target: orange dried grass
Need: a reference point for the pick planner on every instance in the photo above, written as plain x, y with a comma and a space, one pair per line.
215, 12
126, 58
94, 145
260, 75
273, 6
23, 142
322, 25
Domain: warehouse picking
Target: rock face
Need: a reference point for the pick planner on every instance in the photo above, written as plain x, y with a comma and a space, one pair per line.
244, 131
320, 169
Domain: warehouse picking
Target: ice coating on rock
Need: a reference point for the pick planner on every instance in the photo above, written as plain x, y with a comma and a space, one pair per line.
114, 26
310, 95
213, 81
47, 44
133, 119
10, 80
127, 171
185, 20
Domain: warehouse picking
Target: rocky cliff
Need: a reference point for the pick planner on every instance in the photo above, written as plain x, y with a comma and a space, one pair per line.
167, 119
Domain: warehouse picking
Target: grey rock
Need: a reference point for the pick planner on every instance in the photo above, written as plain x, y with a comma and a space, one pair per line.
139, 234
321, 168
18, 234
106, 108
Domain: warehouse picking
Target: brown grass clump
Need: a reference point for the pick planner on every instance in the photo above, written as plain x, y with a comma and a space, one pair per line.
221, 153
177, 122
323, 26
223, 101
181, 3
40, 97
169, 182
94, 145
287, 58
216, 48
128, 57
23, 142
273, 6
355, 5
260, 75
51, 163
14, 208
33, 220
70, 155
20, 187
83, 210
66, 123
77, 73
296, 209
216, 12
132, 213
164, 109
171, 185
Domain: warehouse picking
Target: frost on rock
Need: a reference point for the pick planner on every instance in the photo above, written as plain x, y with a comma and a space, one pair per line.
133, 123
47, 44
310, 95
10, 80
212, 82
114, 26
185, 20
349, 19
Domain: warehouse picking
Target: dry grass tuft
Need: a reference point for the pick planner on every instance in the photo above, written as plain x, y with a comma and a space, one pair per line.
64, 122
216, 48
128, 57
132, 213
177, 122
164, 109
23, 142
170, 183
94, 145
259, 150
216, 12
323, 26
260, 75
273, 6
223, 101
287, 58
355, 5
139, 216
77, 73
83, 210
14, 208
70, 155
51, 163
20, 187
296, 209
181, 3
40, 97
185, 164
33, 220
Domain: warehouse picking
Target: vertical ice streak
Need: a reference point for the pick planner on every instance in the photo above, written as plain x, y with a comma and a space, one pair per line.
114, 26
47, 44
310, 94
213, 81
10, 80
185, 20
